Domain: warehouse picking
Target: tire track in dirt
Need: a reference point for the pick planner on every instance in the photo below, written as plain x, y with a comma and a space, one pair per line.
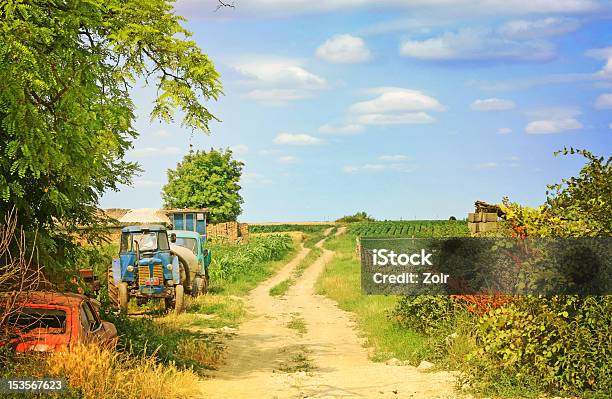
330, 353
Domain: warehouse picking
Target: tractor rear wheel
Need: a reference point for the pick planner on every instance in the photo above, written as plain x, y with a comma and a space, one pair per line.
179, 298
113, 291
199, 286
123, 297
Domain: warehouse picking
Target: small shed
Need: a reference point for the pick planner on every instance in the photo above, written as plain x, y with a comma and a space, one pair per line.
191, 219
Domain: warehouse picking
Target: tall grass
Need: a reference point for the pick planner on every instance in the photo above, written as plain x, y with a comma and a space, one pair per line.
230, 262
100, 372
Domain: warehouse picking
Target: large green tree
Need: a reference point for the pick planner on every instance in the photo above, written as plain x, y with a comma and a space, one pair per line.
66, 116
206, 180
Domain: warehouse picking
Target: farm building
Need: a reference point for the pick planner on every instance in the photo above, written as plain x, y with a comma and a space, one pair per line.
178, 219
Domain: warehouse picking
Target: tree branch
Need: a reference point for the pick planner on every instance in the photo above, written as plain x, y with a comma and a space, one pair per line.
223, 4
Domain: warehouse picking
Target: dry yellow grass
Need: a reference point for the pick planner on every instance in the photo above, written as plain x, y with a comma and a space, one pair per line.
103, 373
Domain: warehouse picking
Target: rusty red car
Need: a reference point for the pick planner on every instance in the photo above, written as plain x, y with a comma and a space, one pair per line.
47, 321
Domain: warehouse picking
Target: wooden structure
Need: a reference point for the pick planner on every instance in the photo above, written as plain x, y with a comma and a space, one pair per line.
484, 219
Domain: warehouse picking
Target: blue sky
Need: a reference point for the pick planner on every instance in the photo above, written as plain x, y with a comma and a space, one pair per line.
401, 108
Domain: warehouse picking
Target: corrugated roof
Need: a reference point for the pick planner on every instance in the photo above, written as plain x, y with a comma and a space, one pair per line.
144, 216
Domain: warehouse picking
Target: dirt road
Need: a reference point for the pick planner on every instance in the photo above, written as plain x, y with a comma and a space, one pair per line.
320, 357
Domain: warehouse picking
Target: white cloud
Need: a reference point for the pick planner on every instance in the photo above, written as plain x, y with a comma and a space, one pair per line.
393, 99
287, 159
553, 120
279, 71
396, 106
341, 129
605, 54
279, 8
604, 74
492, 104
513, 158
276, 80
419, 25
240, 149
549, 126
393, 158
472, 44
296, 139
604, 101
504, 130
344, 49
531, 29
154, 151
396, 119
610, 126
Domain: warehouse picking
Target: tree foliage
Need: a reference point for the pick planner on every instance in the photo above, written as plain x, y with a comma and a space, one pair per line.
66, 117
357, 217
206, 180
560, 342
580, 206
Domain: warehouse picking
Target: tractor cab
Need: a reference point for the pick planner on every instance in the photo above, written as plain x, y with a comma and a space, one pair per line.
190, 233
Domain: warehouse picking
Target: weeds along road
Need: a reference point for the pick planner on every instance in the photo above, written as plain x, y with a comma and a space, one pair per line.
302, 345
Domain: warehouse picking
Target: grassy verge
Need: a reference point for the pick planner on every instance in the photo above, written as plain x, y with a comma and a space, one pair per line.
281, 288
341, 282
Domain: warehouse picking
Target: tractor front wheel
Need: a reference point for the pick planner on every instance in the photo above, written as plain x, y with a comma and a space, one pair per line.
179, 298
123, 297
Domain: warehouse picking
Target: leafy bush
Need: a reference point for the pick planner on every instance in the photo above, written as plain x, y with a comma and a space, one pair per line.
357, 217
563, 341
231, 261
424, 313
560, 343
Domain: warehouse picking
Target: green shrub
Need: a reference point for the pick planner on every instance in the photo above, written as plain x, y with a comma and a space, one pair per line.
424, 313
564, 343
357, 217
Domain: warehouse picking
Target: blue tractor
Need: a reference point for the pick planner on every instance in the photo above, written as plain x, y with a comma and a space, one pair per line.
146, 268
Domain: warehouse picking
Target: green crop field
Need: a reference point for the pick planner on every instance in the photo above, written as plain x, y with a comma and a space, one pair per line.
410, 228
281, 228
